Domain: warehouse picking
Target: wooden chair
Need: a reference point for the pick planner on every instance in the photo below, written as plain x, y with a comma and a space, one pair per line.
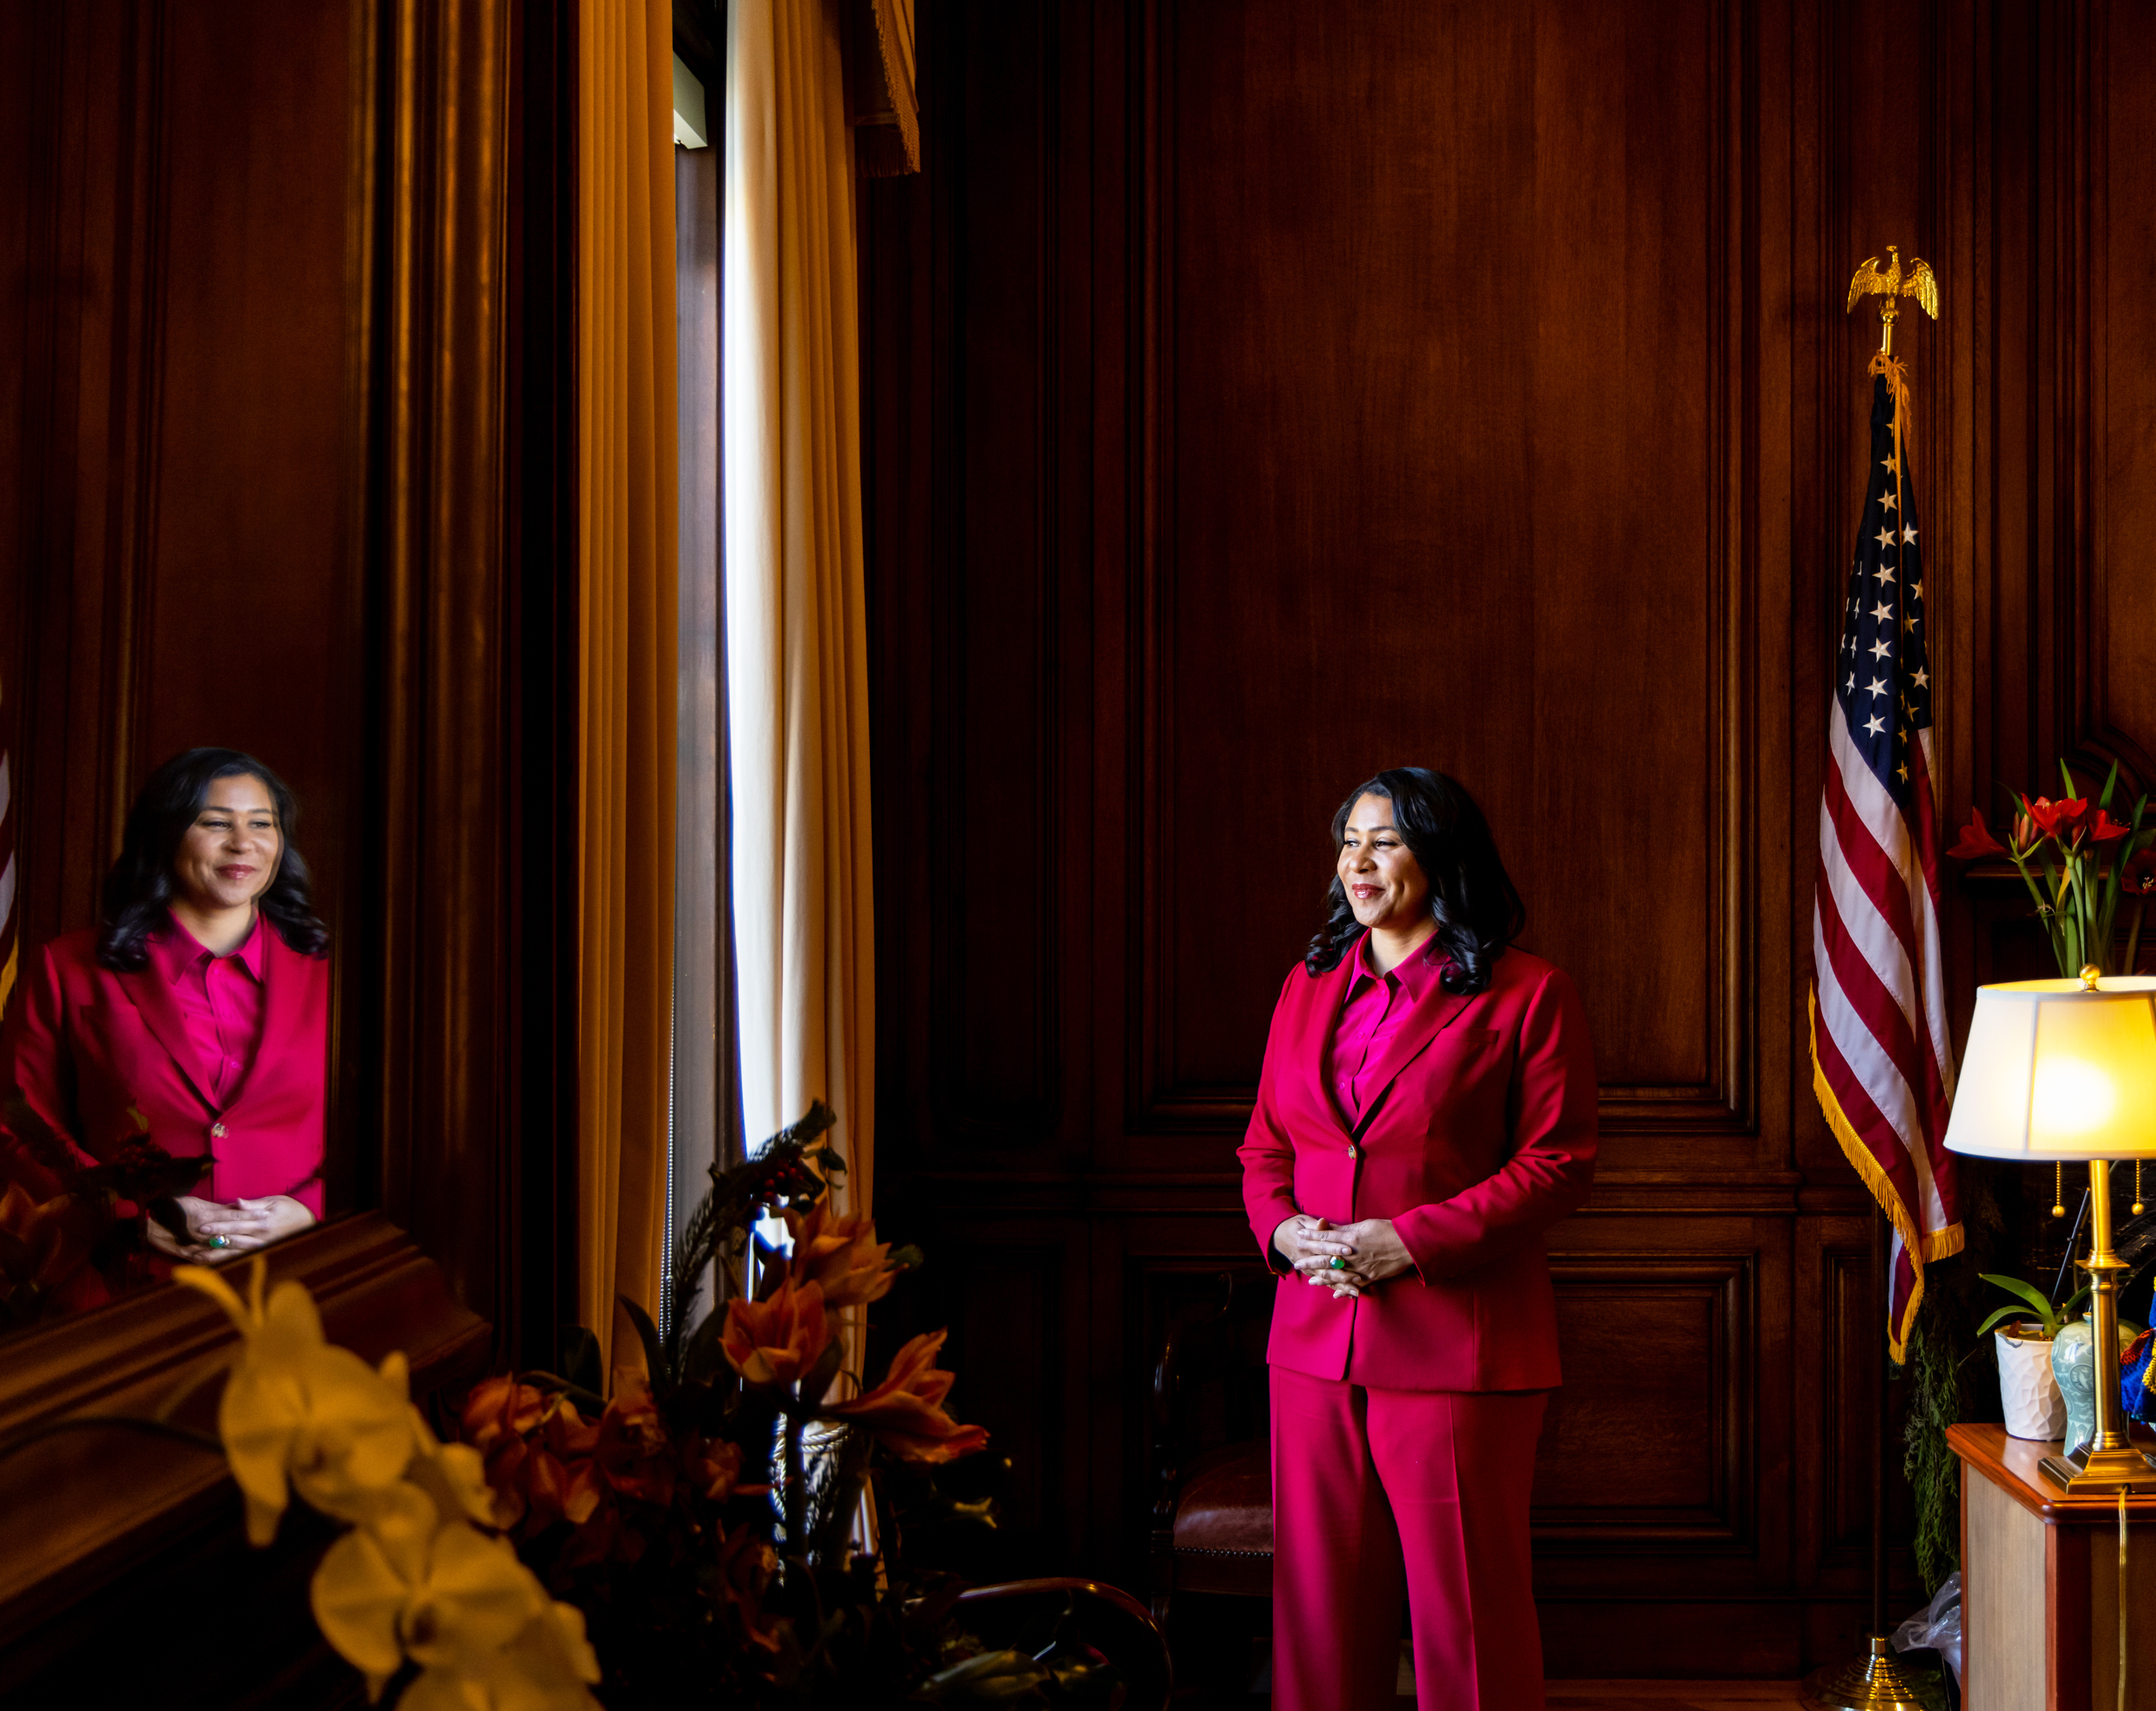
1023, 1613
1212, 1517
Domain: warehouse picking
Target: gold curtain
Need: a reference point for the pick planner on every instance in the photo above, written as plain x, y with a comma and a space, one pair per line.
797, 651
627, 663
889, 138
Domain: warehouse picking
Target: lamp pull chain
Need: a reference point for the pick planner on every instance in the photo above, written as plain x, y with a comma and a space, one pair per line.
2058, 1189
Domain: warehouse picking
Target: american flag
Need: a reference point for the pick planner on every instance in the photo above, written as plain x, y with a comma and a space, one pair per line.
1882, 1061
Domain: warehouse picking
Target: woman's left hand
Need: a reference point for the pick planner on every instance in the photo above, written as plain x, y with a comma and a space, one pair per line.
1375, 1253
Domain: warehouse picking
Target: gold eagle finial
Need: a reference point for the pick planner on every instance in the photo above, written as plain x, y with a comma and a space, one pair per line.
1919, 283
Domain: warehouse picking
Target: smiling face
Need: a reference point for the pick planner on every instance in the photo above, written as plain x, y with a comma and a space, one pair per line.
228, 856
1385, 885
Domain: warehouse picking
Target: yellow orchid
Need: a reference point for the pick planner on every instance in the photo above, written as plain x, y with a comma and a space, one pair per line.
297, 1408
544, 1668
407, 1584
454, 1475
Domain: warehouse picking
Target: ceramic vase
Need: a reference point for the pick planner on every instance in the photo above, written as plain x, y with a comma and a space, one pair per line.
2076, 1372
2034, 1407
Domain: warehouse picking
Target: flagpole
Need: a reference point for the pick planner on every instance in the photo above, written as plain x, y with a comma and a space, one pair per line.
1876, 1681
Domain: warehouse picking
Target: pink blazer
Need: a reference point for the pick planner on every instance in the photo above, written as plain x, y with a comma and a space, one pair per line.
1481, 1137
100, 1056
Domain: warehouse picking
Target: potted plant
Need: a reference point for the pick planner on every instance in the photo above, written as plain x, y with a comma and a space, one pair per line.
2061, 1344
2024, 1331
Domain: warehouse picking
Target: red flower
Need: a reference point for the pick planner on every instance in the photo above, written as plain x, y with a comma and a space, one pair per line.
2140, 875
2106, 829
2067, 820
906, 1411
1976, 841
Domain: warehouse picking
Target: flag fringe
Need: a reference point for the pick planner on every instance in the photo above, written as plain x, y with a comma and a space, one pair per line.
1925, 1248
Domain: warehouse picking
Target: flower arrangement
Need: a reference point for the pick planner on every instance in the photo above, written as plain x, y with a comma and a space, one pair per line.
2088, 861
707, 1517
695, 1539
422, 1590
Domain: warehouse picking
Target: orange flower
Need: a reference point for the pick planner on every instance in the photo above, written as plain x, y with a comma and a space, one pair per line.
713, 1467
633, 1450
496, 1420
498, 1409
775, 1341
746, 1564
43, 1242
906, 1411
841, 1254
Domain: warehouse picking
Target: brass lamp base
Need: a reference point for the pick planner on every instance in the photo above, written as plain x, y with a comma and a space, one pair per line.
2100, 1473
1877, 1683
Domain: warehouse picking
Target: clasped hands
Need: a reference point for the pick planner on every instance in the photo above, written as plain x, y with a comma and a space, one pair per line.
1368, 1251
246, 1226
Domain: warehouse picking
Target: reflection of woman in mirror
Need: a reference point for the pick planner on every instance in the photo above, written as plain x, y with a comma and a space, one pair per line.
195, 1019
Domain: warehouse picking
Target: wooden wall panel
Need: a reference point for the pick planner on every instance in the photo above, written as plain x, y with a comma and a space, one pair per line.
1259, 396
1344, 306
1656, 1354
2119, 698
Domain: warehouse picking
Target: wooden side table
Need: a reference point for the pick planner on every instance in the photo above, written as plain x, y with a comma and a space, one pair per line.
2040, 1585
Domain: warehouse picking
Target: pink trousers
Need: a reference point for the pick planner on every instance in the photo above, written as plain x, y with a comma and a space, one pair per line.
1375, 1490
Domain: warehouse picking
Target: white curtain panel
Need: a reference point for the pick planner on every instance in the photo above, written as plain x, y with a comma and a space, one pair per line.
796, 636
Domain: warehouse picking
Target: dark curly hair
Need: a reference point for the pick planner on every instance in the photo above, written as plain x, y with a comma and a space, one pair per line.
1477, 909
139, 887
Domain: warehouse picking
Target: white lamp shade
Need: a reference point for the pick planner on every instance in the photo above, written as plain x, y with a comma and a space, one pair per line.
2053, 1071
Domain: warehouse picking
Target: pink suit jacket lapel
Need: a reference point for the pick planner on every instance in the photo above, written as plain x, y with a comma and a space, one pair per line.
1437, 1011
155, 1003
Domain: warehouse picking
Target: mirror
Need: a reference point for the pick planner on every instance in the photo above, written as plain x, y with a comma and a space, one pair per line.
191, 227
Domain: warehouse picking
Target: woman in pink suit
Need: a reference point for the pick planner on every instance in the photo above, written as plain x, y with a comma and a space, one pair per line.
1425, 1112
195, 1018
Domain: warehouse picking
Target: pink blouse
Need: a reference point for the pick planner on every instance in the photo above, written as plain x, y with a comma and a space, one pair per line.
221, 1001
1375, 1006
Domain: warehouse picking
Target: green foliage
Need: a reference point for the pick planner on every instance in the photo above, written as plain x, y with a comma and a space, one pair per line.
1935, 1403
2053, 1319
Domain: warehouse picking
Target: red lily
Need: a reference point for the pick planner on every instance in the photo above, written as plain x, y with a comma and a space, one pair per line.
1976, 841
2065, 821
2106, 829
2140, 875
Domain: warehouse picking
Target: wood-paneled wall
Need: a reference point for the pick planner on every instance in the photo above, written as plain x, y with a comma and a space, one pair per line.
1262, 394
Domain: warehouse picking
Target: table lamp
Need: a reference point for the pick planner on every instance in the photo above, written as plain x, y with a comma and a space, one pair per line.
2066, 1069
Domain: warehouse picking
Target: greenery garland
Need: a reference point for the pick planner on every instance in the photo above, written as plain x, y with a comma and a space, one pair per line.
1934, 1403
1948, 1366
